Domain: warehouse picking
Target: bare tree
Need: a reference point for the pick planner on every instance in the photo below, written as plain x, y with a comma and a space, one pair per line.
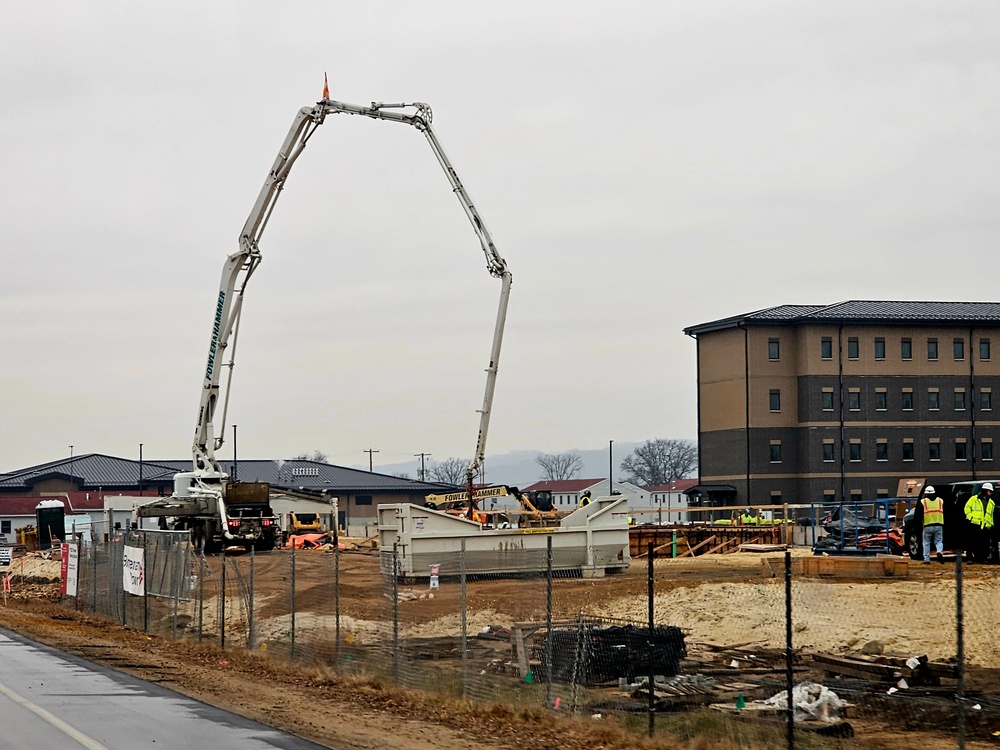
314, 456
560, 465
658, 461
451, 471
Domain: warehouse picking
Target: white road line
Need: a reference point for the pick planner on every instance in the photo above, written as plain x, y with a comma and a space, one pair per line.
55, 721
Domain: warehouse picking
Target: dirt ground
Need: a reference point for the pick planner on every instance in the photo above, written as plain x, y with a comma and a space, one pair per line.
716, 600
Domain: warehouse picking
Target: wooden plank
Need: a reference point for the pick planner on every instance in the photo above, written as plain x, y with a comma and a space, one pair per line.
717, 547
520, 650
752, 547
690, 550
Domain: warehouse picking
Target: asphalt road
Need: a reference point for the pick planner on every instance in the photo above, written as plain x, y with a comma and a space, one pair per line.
53, 700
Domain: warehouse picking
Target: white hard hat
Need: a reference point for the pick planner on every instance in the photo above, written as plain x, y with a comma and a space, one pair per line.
987, 486
928, 490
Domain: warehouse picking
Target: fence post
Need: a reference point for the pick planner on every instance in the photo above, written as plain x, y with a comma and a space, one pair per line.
79, 578
652, 676
292, 600
395, 612
95, 578
960, 649
548, 621
336, 589
789, 673
201, 592
250, 633
177, 548
145, 581
121, 566
465, 632
222, 600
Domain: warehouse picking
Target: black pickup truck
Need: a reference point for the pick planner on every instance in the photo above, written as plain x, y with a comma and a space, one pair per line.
954, 495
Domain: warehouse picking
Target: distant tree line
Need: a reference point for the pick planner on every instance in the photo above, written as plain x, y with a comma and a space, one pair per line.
655, 462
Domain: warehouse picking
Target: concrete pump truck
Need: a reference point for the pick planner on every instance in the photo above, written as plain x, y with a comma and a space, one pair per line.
220, 513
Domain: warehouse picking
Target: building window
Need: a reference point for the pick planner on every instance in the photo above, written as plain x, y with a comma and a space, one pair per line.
958, 346
985, 399
933, 400
907, 451
774, 399
881, 493
907, 400
959, 399
960, 450
880, 401
828, 451
879, 348
4, 527
854, 400
986, 451
881, 451
363, 500
932, 350
827, 399
773, 350
828, 496
852, 348
984, 350
934, 450
855, 451
826, 347
856, 496
776, 453
906, 348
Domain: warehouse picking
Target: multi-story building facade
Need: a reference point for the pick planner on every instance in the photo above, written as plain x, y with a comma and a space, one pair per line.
801, 403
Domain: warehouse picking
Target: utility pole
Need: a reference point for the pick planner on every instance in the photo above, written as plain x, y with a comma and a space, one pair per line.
140, 469
611, 466
423, 473
236, 475
369, 452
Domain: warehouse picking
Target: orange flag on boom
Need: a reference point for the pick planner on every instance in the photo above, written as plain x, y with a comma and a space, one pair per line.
326, 88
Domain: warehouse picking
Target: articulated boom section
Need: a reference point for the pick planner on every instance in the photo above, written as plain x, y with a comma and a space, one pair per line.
203, 499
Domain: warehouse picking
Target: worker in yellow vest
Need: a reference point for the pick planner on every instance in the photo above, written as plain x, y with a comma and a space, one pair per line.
979, 517
932, 508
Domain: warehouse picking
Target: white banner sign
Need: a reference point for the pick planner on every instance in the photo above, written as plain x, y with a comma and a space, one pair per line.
70, 568
6, 556
134, 571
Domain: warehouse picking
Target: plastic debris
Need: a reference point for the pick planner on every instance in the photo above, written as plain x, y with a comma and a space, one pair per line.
811, 702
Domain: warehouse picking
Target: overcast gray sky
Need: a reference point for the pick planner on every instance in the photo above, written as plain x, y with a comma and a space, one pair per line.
643, 166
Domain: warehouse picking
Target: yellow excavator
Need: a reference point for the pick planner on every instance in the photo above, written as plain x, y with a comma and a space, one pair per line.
537, 508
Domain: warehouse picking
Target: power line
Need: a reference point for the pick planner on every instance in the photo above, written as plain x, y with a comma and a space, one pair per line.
423, 473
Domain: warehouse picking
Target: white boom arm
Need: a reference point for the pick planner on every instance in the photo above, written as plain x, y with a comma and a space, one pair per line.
241, 265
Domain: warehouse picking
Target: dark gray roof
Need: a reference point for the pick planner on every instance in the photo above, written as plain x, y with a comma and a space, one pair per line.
91, 471
95, 471
863, 311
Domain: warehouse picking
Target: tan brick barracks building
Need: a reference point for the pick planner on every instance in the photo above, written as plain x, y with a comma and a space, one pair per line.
802, 403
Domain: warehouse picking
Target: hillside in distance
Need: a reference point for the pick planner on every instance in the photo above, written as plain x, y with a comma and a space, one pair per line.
519, 467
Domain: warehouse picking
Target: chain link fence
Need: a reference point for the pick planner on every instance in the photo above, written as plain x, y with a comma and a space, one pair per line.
670, 638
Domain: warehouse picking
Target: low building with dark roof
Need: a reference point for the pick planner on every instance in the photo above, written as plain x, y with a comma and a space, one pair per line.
804, 403
95, 475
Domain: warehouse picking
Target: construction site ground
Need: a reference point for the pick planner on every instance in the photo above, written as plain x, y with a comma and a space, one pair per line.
716, 599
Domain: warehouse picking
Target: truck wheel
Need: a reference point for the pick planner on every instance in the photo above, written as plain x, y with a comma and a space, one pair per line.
198, 538
265, 544
914, 545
